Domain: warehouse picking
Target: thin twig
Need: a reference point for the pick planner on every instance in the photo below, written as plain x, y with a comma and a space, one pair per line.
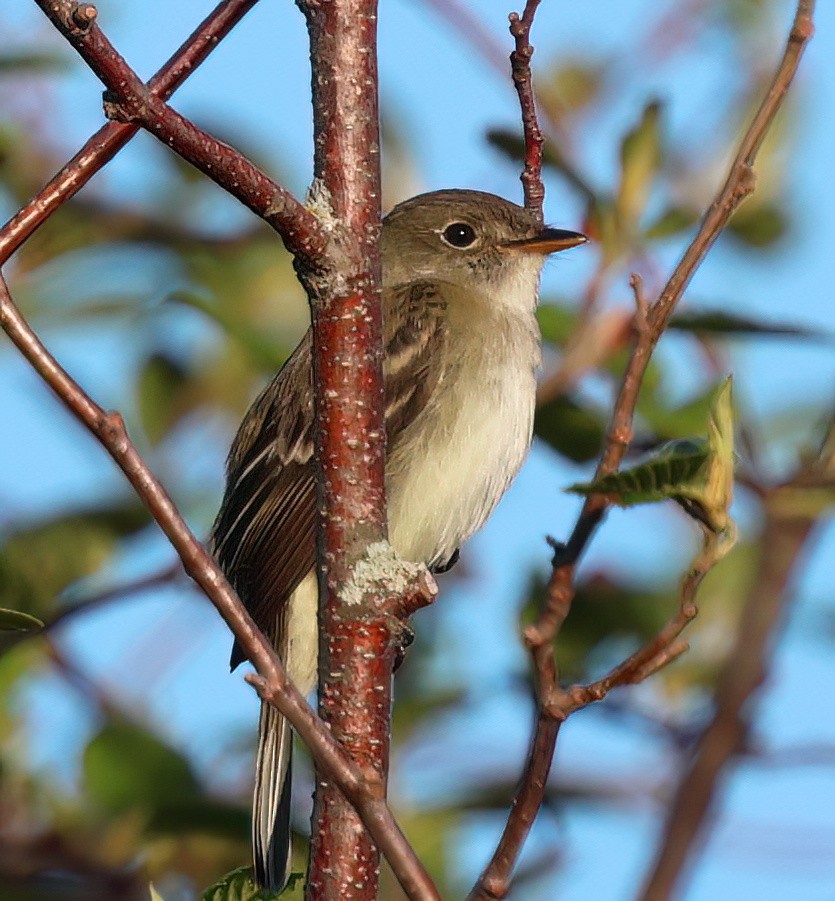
272, 683
495, 880
520, 67
108, 140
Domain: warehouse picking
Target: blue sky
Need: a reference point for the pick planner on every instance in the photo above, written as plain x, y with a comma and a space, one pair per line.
443, 98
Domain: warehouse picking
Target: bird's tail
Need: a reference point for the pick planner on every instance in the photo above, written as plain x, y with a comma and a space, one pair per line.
271, 804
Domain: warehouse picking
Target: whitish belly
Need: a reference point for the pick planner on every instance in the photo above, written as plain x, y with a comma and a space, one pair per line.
443, 485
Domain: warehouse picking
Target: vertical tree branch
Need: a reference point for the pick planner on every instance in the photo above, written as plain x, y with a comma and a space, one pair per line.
357, 645
109, 140
520, 67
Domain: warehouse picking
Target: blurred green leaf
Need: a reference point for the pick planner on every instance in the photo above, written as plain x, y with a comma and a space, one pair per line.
410, 712
575, 432
687, 419
640, 159
512, 145
673, 220
605, 615
263, 351
802, 501
127, 767
202, 814
31, 63
718, 322
38, 562
158, 387
570, 86
556, 322
759, 225
15, 621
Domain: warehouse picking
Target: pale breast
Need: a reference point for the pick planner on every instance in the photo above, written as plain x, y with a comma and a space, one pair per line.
452, 466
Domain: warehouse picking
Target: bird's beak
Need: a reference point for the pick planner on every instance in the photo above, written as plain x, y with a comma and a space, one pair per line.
549, 240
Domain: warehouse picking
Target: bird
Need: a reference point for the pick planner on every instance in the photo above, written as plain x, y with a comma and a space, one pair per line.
460, 286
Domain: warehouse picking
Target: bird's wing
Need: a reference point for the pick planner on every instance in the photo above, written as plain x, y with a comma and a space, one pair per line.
264, 536
414, 337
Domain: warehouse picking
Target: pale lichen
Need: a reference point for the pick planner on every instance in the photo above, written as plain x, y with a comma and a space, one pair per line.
378, 571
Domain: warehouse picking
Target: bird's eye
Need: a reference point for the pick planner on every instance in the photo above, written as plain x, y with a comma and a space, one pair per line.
459, 234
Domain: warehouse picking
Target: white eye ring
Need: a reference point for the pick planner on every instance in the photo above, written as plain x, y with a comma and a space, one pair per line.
459, 235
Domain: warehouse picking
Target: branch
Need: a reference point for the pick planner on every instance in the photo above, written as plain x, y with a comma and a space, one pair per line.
359, 642
651, 321
520, 67
364, 790
129, 100
108, 140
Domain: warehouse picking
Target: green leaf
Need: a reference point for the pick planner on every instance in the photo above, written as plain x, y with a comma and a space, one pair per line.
18, 63
759, 225
607, 615
697, 473
669, 423
571, 86
127, 767
264, 352
571, 430
640, 159
673, 220
16, 621
204, 815
718, 322
37, 563
512, 145
661, 477
238, 885
556, 322
158, 393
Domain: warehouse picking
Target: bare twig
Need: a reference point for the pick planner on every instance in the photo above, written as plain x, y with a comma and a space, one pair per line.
740, 182
520, 67
109, 139
363, 788
130, 100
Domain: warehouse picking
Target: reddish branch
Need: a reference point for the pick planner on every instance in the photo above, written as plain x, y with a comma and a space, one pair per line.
652, 320
109, 139
358, 642
520, 67
128, 99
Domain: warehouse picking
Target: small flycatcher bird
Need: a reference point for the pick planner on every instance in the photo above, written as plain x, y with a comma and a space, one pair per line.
460, 286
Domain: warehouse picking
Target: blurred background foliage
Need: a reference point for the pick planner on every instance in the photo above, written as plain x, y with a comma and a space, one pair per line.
177, 322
